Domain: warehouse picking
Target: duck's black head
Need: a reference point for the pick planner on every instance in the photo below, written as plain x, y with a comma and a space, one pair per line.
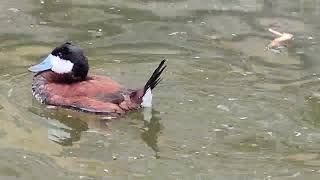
67, 61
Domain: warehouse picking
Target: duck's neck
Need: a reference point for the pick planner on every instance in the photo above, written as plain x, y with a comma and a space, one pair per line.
53, 77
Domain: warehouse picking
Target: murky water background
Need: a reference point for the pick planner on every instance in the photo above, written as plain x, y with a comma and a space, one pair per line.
226, 109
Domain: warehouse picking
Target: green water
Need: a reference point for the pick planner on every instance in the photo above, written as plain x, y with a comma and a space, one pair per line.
226, 109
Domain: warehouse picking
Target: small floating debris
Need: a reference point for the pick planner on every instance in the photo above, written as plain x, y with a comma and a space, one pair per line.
106, 170
107, 118
213, 37
243, 118
117, 60
132, 157
10, 92
174, 33
223, 107
15, 10
43, 23
228, 126
297, 134
97, 33
51, 107
254, 145
69, 116
114, 157
141, 155
232, 99
85, 177
281, 40
200, 70
196, 57
310, 38
296, 174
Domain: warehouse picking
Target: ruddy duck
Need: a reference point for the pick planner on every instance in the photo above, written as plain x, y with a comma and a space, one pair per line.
62, 80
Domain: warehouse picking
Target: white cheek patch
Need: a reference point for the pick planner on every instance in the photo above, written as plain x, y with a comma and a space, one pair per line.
61, 66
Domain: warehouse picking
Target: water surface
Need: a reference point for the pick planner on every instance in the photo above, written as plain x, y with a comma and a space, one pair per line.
226, 109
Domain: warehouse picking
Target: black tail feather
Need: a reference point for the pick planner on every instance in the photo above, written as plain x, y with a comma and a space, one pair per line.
155, 78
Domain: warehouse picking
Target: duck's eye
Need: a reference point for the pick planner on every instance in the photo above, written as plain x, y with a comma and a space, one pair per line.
60, 54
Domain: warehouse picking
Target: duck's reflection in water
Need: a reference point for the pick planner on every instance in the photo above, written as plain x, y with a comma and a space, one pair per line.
65, 126
151, 129
66, 131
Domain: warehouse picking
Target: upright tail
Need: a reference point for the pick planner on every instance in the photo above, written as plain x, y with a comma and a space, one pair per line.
144, 96
155, 78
